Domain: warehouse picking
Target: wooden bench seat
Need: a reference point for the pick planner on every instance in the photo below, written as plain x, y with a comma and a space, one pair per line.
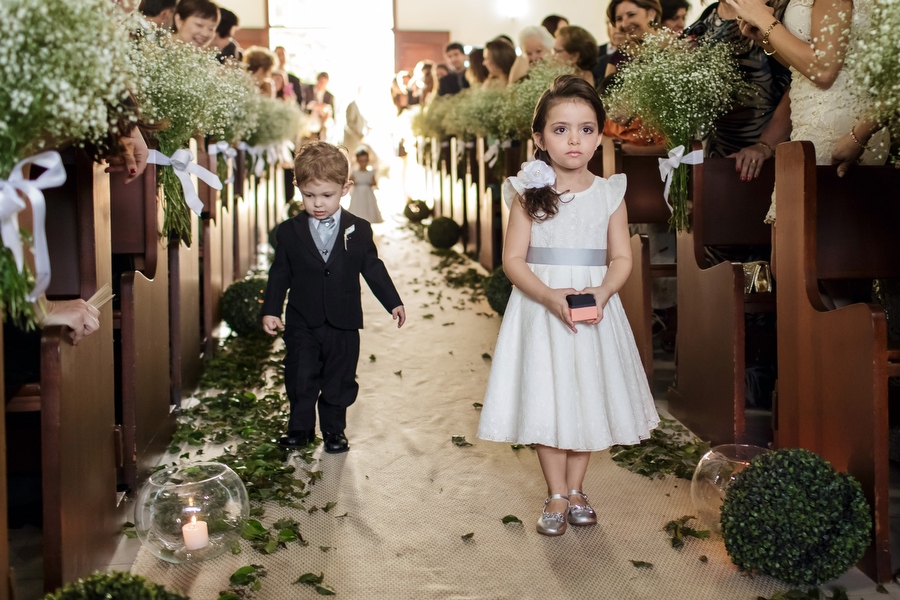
834, 364
726, 213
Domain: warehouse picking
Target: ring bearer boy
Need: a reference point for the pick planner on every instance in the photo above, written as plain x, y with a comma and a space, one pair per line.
319, 257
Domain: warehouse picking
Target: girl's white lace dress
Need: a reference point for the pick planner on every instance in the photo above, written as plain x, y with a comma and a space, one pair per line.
825, 116
578, 391
362, 197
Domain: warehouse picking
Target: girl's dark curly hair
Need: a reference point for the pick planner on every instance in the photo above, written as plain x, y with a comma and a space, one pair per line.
543, 203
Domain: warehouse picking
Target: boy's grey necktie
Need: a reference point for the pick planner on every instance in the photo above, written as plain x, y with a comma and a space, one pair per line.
325, 229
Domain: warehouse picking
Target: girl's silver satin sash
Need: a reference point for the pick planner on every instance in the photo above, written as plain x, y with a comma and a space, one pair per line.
573, 257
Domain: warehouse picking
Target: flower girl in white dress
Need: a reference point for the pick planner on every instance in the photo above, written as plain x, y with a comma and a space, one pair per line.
569, 388
362, 198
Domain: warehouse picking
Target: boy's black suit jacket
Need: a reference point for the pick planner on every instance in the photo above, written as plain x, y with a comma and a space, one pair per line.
327, 291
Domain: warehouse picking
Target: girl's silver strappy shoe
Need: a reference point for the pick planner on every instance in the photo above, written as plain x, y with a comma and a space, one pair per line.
552, 523
581, 513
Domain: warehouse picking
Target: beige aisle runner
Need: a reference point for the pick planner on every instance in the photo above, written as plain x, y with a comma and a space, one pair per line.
410, 494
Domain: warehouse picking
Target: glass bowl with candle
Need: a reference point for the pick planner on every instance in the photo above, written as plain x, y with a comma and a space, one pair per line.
191, 512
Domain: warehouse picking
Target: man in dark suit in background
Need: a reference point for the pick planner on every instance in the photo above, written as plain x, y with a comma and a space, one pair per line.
159, 12
455, 81
319, 256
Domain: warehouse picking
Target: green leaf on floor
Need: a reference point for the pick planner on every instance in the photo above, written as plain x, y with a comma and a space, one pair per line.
286, 535
325, 548
371, 358
704, 558
460, 440
257, 511
311, 578
342, 516
313, 509
670, 450
399, 373
328, 506
517, 447
477, 404
325, 590
128, 530
253, 530
185, 455
228, 596
511, 519
448, 324
428, 316
468, 536
248, 575
641, 564
236, 548
881, 589
486, 356
679, 530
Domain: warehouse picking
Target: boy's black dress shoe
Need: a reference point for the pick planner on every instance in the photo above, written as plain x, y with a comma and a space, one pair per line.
335, 443
297, 438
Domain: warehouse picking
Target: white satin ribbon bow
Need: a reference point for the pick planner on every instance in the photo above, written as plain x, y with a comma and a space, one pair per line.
668, 165
256, 154
227, 151
11, 204
182, 162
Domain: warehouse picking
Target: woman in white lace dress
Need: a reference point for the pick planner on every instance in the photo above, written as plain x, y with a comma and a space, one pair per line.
813, 41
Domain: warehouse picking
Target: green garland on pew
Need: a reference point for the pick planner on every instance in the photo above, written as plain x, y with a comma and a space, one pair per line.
14, 290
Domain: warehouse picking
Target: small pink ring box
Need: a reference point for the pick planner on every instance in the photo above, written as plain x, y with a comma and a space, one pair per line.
582, 307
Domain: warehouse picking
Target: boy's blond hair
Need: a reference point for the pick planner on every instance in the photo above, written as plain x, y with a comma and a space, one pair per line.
321, 161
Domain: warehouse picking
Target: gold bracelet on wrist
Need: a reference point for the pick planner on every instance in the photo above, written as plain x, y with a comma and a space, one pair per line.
766, 146
765, 37
856, 139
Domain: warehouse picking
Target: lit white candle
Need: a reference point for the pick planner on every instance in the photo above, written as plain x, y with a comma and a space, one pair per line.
196, 534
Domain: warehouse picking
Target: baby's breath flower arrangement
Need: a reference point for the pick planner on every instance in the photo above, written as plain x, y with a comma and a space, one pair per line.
180, 89
236, 108
874, 65
525, 93
63, 78
488, 114
678, 92
278, 121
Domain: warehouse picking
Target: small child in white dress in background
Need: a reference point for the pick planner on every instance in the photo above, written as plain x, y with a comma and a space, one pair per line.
362, 198
571, 390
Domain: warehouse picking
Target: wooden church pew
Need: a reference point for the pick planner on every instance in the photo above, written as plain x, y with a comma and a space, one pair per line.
75, 395
211, 250
834, 364
726, 213
142, 321
243, 217
646, 204
490, 223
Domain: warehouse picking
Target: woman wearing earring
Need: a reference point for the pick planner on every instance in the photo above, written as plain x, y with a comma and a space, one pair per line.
635, 19
196, 22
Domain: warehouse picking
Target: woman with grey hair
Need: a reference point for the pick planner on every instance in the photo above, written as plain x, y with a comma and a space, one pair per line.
535, 42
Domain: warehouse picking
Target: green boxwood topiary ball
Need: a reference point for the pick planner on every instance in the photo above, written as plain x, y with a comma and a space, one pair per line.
497, 289
443, 232
241, 303
416, 211
790, 515
117, 584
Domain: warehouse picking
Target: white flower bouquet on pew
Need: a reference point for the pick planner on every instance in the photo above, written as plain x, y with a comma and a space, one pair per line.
678, 90
874, 64
235, 108
63, 80
277, 122
525, 93
180, 89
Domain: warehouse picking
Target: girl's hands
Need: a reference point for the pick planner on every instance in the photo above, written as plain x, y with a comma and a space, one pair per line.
601, 297
555, 301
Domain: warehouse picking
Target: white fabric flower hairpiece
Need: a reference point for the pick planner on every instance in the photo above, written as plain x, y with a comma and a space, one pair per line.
536, 174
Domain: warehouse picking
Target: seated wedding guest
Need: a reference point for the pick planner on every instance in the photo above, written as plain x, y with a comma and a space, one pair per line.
576, 47
224, 40
441, 70
421, 84
746, 123
499, 56
616, 39
261, 64
324, 310
553, 22
399, 92
477, 73
196, 22
283, 88
674, 13
159, 12
634, 18
535, 42
454, 82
